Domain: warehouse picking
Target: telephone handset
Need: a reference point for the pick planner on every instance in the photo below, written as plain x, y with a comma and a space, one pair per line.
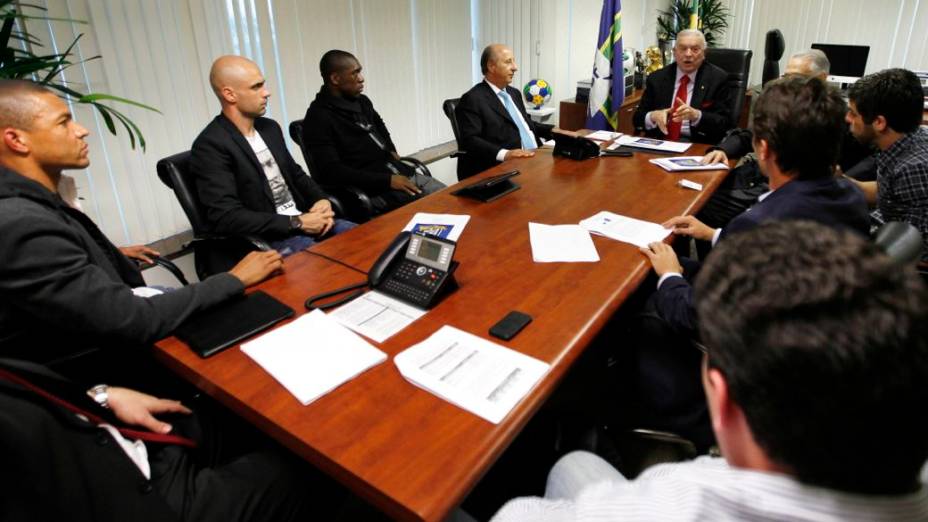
415, 268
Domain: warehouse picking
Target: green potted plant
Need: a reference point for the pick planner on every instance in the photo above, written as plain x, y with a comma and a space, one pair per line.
21, 59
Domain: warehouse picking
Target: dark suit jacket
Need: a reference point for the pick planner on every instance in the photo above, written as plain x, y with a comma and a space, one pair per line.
712, 94
232, 185
833, 202
486, 127
59, 467
342, 152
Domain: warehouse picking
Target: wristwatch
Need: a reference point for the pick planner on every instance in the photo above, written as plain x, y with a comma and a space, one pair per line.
296, 224
100, 395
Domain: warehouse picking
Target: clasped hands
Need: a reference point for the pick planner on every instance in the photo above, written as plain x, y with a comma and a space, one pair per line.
319, 220
683, 112
662, 257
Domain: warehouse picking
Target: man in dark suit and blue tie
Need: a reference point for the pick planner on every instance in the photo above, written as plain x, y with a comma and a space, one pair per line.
690, 99
493, 124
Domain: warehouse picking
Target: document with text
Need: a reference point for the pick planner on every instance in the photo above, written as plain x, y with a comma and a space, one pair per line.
376, 316
444, 226
477, 375
312, 355
625, 229
650, 144
683, 163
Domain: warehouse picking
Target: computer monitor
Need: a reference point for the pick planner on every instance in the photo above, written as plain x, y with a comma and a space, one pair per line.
848, 62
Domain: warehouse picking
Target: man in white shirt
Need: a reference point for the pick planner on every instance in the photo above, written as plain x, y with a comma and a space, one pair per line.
814, 376
245, 176
492, 121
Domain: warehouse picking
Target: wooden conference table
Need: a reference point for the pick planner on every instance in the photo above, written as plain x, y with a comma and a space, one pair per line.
409, 453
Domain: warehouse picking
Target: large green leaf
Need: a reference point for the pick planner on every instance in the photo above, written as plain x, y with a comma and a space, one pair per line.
19, 60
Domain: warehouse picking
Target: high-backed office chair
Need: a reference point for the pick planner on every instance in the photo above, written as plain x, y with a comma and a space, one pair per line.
774, 46
213, 253
355, 202
449, 107
737, 63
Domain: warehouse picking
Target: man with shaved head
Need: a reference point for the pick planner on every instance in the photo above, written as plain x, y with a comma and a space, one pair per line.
349, 143
492, 121
64, 287
246, 178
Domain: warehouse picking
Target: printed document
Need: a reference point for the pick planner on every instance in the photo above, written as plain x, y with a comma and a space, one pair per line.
680, 163
602, 135
625, 229
650, 143
444, 226
561, 243
312, 355
477, 375
376, 316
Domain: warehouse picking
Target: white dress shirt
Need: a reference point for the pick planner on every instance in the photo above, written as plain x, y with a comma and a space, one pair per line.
685, 127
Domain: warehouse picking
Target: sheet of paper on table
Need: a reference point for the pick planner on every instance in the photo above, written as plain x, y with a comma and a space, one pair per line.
561, 243
625, 229
312, 355
650, 144
602, 135
477, 375
376, 316
681, 163
445, 226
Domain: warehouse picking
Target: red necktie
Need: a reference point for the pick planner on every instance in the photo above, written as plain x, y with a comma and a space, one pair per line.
161, 438
674, 127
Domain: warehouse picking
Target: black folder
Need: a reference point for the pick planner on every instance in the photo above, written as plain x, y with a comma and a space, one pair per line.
227, 324
491, 188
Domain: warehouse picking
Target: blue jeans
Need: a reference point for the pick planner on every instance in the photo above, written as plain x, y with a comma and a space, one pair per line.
301, 242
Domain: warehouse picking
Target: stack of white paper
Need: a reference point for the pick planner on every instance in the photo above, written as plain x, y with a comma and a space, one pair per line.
376, 316
313, 355
445, 226
481, 377
686, 163
650, 143
561, 243
625, 229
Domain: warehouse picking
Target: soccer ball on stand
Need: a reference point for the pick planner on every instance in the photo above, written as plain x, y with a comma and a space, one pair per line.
537, 93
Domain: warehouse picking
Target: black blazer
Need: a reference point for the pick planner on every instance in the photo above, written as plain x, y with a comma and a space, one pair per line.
486, 127
342, 152
232, 185
829, 201
712, 94
59, 467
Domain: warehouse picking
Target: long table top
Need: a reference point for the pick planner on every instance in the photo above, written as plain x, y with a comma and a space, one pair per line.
408, 452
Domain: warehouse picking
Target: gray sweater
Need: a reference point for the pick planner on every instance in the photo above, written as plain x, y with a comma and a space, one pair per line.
62, 291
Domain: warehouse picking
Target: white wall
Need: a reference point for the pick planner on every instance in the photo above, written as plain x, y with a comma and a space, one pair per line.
894, 29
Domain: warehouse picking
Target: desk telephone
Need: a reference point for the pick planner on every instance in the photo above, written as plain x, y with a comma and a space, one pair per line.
415, 268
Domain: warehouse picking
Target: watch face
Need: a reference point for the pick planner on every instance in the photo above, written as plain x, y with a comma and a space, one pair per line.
295, 223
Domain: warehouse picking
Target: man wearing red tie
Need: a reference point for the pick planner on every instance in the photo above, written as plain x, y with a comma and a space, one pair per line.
689, 100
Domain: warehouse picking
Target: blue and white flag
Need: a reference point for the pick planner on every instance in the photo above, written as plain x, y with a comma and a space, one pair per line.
606, 95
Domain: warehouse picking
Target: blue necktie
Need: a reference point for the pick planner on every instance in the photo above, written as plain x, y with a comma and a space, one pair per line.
528, 143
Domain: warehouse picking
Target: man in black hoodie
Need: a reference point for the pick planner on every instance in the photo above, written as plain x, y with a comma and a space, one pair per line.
64, 287
349, 143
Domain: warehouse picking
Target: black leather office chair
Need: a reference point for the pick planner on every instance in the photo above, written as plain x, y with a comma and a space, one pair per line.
737, 63
355, 202
213, 253
774, 46
450, 106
